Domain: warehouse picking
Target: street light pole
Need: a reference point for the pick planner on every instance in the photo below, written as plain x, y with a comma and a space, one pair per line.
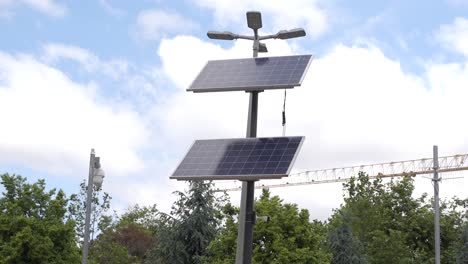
95, 177
89, 196
247, 215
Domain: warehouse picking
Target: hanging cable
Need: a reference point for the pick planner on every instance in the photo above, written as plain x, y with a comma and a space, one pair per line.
284, 114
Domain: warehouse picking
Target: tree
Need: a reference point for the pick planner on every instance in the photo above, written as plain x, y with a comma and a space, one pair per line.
33, 227
100, 205
289, 236
462, 257
128, 238
104, 250
146, 217
394, 227
346, 249
192, 225
136, 228
223, 248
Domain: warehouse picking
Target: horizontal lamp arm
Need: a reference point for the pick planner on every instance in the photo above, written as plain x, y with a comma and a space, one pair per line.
274, 36
244, 37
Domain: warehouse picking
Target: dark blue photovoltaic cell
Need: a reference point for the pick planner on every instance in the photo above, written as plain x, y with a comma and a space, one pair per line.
252, 74
244, 158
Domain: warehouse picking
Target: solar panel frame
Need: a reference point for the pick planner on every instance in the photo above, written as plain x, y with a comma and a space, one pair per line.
243, 177
204, 82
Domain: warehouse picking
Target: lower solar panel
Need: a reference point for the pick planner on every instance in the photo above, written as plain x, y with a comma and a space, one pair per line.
243, 159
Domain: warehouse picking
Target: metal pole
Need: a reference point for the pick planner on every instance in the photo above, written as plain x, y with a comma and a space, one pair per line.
256, 44
436, 180
89, 195
247, 214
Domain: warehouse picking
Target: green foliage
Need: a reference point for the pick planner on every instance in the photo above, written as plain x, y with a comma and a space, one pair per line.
223, 248
189, 229
105, 250
289, 237
33, 228
100, 204
346, 249
146, 217
394, 227
462, 256
127, 239
170, 244
378, 223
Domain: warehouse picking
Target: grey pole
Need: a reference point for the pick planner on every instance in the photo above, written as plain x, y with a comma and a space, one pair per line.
436, 180
89, 195
247, 214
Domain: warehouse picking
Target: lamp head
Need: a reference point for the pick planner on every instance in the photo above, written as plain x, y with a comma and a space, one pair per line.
254, 20
98, 177
293, 33
226, 35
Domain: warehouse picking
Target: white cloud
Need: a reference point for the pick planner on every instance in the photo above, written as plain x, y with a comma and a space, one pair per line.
111, 9
458, 3
49, 7
182, 64
368, 80
4, 9
276, 14
49, 123
154, 24
54, 121
455, 36
5, 3
54, 52
186, 116
356, 106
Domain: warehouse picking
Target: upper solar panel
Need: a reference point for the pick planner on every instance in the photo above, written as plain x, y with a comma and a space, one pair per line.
243, 159
253, 74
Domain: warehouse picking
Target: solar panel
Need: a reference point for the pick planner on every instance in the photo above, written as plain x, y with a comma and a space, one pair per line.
253, 74
243, 159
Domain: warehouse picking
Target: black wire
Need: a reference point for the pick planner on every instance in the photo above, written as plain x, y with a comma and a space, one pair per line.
284, 109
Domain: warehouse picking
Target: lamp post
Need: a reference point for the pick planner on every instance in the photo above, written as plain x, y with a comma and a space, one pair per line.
95, 178
247, 215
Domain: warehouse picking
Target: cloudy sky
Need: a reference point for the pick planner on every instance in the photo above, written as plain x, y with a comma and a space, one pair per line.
389, 81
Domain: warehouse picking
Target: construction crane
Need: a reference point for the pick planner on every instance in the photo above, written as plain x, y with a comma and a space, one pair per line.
379, 170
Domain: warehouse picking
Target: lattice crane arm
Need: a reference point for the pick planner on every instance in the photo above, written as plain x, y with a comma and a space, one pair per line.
382, 170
